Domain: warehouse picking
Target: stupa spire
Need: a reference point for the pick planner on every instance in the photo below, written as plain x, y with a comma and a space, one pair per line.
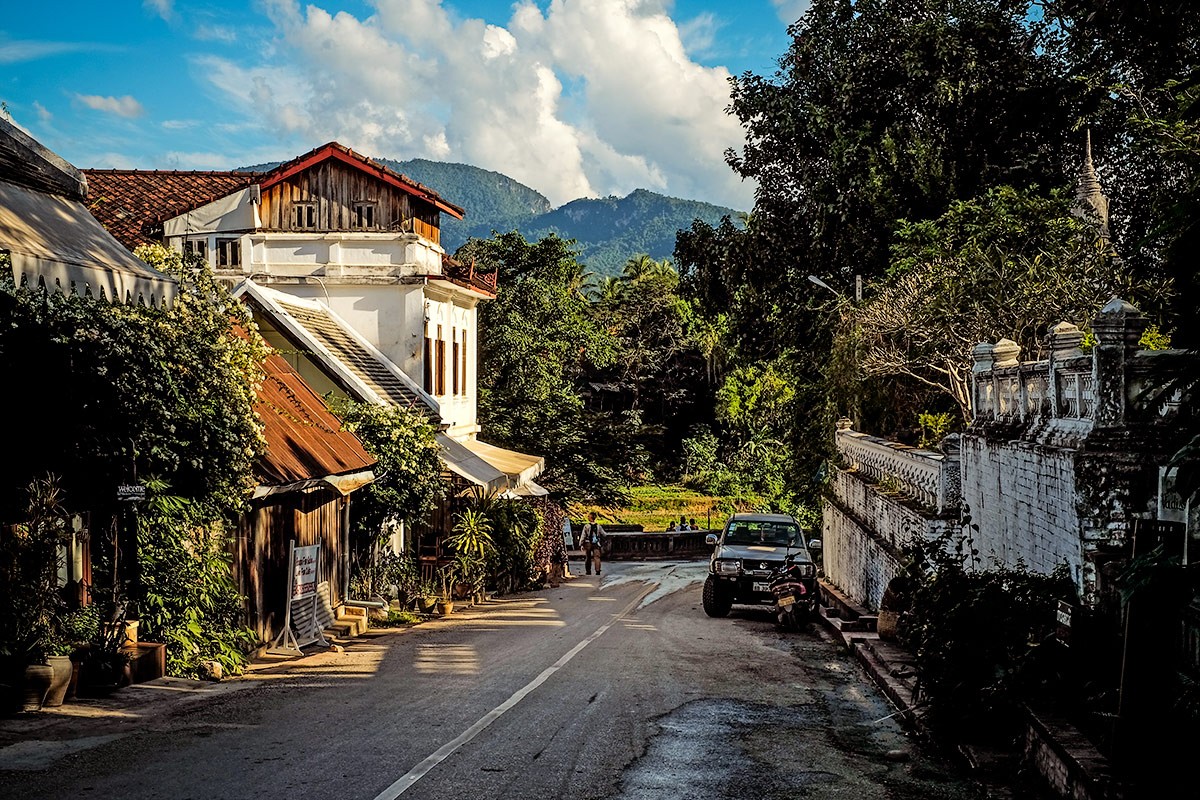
1089, 198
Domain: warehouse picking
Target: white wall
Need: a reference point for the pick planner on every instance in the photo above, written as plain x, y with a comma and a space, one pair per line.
1023, 499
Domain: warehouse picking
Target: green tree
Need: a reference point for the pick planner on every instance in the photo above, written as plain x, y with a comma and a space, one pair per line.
144, 395
537, 342
1007, 265
408, 481
134, 391
883, 110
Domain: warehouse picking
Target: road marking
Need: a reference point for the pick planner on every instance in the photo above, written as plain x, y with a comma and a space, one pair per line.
442, 753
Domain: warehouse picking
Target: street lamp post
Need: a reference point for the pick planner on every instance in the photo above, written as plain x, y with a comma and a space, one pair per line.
826, 286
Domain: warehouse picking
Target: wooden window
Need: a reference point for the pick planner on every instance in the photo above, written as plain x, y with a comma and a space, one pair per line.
454, 361
229, 253
440, 364
305, 215
364, 216
463, 351
427, 362
196, 247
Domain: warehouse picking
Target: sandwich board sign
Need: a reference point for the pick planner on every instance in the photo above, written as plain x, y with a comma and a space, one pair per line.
300, 625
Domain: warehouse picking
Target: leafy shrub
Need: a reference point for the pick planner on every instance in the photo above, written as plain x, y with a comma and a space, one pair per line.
190, 601
983, 638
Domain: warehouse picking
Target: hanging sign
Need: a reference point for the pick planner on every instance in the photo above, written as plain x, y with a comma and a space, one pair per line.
131, 493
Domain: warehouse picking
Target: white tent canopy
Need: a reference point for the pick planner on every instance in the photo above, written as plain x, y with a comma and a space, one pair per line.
56, 240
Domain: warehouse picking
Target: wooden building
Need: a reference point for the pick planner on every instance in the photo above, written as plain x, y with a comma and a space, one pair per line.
305, 480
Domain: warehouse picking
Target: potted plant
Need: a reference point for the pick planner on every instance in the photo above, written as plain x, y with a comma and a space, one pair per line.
427, 594
31, 603
472, 544
450, 576
103, 663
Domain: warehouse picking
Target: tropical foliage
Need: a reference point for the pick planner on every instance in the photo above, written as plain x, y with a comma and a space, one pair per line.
983, 638
189, 599
407, 482
161, 397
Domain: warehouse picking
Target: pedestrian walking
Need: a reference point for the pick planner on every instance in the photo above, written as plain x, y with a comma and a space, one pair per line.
593, 543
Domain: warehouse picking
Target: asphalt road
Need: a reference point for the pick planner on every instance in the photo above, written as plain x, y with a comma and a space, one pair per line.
612, 688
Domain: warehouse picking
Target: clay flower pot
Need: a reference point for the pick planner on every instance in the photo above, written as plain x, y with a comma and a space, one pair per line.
38, 678
57, 693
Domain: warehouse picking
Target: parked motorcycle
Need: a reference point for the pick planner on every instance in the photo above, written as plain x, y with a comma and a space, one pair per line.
794, 584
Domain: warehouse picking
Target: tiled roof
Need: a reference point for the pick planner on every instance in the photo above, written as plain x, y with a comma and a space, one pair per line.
131, 202
465, 275
305, 441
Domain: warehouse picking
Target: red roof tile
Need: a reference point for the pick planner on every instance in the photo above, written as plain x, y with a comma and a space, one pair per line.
130, 202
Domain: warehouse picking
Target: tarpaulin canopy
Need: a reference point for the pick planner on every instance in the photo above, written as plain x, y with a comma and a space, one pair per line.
56, 240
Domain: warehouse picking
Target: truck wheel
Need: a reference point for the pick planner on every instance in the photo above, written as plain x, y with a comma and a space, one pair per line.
717, 601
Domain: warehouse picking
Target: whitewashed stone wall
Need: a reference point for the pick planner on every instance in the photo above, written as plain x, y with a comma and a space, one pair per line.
1059, 465
863, 533
1021, 500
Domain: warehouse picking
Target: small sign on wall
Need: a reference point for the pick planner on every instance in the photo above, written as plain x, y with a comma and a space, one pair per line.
131, 493
1062, 623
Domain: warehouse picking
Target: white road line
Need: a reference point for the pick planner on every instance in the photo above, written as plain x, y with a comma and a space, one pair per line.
442, 753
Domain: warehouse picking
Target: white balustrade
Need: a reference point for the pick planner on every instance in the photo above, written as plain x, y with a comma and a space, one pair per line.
913, 472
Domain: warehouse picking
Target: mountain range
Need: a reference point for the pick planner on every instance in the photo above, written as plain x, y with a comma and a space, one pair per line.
608, 231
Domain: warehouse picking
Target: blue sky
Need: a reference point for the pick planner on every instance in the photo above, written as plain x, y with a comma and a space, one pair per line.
572, 97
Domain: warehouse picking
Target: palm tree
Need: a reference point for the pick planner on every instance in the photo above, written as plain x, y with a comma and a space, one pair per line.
638, 267
581, 281
608, 291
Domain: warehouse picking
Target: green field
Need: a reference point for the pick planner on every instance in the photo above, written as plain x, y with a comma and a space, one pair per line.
654, 506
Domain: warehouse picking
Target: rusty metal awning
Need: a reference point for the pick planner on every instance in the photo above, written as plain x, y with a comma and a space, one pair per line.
56, 240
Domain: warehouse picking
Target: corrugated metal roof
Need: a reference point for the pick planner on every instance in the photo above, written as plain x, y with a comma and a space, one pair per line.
305, 440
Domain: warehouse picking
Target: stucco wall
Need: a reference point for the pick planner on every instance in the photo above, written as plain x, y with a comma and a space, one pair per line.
863, 532
1021, 499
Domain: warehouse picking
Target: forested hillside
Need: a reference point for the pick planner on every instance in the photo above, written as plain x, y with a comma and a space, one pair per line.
608, 231
611, 230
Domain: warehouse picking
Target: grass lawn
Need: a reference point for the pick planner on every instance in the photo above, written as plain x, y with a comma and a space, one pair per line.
654, 506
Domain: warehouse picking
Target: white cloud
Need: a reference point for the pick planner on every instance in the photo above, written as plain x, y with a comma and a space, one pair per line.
163, 8
791, 10
215, 33
30, 50
43, 113
125, 106
576, 100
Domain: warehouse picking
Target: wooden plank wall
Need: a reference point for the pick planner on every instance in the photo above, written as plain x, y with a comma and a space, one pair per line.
334, 188
261, 551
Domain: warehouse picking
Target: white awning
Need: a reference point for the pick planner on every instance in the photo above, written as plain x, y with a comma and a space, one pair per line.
466, 464
530, 489
520, 468
54, 239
